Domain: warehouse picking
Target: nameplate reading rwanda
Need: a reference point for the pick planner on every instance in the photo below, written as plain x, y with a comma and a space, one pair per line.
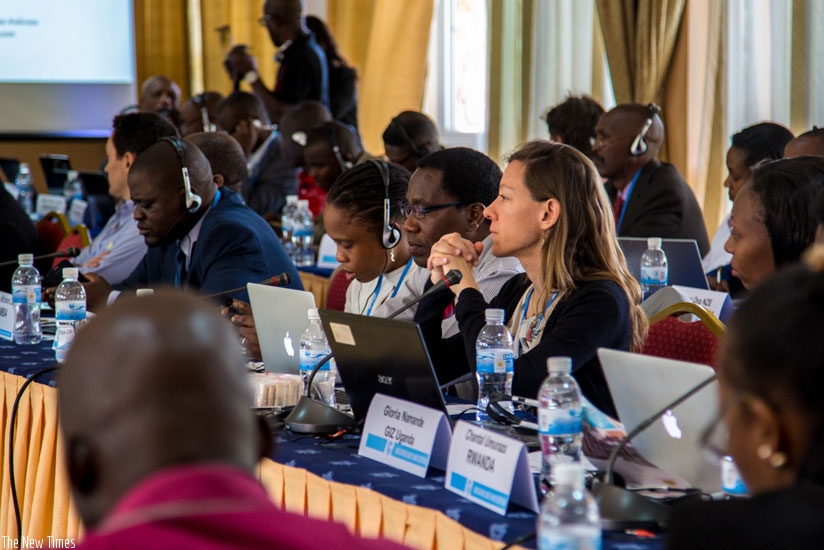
6, 316
489, 469
405, 435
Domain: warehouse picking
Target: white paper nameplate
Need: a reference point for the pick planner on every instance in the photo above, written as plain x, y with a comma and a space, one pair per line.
6, 316
405, 435
50, 203
489, 469
327, 253
710, 299
77, 210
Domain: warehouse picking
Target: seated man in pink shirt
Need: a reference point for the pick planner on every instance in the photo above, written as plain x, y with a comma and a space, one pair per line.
160, 442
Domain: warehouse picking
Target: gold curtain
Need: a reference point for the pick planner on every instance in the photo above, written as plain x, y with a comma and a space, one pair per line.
161, 41
510, 58
386, 41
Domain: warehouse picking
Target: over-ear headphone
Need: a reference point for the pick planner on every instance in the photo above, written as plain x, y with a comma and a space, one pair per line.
332, 135
407, 138
639, 144
200, 101
193, 200
391, 233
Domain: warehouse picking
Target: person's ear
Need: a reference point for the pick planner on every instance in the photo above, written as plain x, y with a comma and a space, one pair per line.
767, 432
83, 466
218, 179
475, 216
128, 159
550, 213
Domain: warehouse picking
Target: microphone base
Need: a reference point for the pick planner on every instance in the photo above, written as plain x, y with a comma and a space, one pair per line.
622, 509
314, 417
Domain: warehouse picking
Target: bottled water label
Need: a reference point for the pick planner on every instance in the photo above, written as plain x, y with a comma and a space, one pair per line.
63, 339
26, 294
560, 421
654, 275
303, 231
309, 360
495, 361
571, 537
731, 482
70, 310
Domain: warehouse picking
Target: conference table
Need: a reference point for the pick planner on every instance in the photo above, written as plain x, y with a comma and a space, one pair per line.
321, 478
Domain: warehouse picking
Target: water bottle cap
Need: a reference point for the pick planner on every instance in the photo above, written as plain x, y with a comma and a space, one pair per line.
144, 291
24, 168
654, 242
291, 199
71, 175
569, 474
25, 258
559, 365
313, 314
70, 273
303, 203
493, 314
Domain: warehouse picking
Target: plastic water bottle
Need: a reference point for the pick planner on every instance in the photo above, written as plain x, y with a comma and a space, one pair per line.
69, 312
287, 224
495, 363
560, 420
313, 348
25, 290
732, 484
304, 230
569, 515
73, 188
654, 270
25, 188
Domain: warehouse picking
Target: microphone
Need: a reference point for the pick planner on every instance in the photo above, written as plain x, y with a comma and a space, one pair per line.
281, 279
71, 252
453, 277
624, 509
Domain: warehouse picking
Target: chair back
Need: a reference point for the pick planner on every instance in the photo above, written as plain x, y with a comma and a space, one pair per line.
51, 231
78, 237
696, 341
336, 297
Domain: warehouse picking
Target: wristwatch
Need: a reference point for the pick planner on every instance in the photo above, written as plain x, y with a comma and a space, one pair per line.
251, 77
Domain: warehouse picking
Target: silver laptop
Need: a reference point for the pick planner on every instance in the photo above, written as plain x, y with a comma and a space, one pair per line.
280, 318
641, 385
683, 260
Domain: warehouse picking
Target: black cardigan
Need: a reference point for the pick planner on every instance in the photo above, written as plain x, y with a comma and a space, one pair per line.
594, 315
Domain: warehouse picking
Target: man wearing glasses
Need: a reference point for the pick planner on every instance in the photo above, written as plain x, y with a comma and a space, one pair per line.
302, 74
447, 194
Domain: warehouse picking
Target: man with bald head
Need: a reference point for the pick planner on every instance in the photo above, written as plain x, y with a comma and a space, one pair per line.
271, 176
649, 198
302, 72
809, 143
203, 238
159, 439
225, 158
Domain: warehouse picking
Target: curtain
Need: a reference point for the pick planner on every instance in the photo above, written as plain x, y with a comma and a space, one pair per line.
161, 41
386, 41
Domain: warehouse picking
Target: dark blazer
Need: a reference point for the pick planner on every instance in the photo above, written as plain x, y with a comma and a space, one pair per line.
271, 181
235, 246
662, 205
17, 236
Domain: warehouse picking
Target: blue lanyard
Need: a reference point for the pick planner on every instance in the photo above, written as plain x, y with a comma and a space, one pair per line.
626, 199
394, 292
540, 315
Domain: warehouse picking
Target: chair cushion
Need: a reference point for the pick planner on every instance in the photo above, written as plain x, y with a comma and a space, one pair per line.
675, 339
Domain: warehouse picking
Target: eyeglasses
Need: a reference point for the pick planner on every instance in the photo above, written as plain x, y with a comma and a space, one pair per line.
263, 21
420, 212
716, 436
601, 141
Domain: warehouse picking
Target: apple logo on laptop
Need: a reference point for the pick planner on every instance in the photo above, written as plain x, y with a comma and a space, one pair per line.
671, 425
287, 343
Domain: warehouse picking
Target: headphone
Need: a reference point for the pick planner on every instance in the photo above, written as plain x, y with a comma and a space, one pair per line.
407, 138
639, 144
390, 234
332, 135
193, 200
200, 101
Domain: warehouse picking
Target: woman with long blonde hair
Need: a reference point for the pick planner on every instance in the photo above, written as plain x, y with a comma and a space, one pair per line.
576, 294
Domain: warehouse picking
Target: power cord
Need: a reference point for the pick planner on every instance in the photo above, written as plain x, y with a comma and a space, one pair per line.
12, 422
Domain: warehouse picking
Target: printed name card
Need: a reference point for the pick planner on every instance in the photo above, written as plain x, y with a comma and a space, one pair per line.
6, 316
405, 435
489, 469
76, 211
50, 203
710, 299
327, 253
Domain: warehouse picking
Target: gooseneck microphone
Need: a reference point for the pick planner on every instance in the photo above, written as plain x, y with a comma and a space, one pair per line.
71, 252
281, 279
313, 417
624, 509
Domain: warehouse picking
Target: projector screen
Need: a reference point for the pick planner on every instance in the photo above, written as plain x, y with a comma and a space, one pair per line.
66, 67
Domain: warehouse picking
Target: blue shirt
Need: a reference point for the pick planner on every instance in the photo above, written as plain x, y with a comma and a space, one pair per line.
122, 240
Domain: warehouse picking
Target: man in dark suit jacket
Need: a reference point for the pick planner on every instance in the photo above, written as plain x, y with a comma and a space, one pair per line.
17, 236
214, 246
649, 198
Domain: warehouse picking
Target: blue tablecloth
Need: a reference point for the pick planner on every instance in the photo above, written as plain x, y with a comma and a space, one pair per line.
339, 461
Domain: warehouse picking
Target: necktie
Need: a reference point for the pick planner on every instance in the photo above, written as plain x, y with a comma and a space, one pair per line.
616, 209
180, 267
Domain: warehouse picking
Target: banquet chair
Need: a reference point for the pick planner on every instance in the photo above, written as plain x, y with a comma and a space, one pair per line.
51, 230
79, 237
693, 341
336, 297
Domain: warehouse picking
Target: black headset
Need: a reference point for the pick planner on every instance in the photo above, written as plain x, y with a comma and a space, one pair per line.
332, 136
391, 233
200, 101
639, 144
193, 200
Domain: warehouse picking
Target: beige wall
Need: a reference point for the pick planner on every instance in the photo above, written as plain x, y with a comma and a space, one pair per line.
85, 154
